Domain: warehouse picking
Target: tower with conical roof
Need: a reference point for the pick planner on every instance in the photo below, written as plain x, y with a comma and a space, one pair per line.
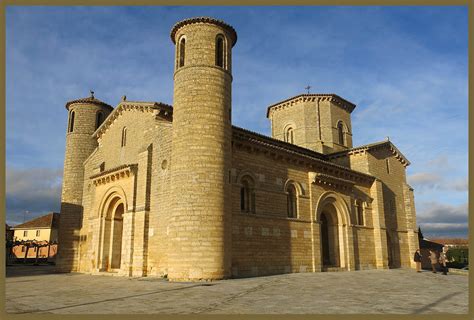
199, 226
85, 116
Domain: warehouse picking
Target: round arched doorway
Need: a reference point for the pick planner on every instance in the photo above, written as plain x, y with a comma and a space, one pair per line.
329, 237
112, 234
332, 216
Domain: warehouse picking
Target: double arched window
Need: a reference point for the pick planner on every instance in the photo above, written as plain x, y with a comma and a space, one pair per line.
99, 118
247, 195
292, 207
340, 132
220, 51
124, 137
289, 135
71, 121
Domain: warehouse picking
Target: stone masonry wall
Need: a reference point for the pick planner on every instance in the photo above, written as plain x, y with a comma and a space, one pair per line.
267, 241
331, 114
144, 131
395, 217
314, 124
160, 206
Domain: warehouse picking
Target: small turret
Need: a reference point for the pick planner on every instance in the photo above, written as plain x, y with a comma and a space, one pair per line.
199, 226
85, 116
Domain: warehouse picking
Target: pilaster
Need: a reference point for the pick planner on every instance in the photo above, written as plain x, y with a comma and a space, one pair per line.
378, 220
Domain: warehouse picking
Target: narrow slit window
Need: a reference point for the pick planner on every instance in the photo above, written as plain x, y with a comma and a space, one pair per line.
99, 119
289, 135
291, 202
182, 52
124, 137
242, 198
340, 130
387, 164
71, 122
247, 196
360, 213
220, 52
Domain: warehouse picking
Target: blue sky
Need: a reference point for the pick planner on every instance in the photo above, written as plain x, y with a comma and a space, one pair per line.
404, 67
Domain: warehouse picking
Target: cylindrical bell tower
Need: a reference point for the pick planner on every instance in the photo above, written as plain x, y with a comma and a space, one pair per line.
199, 226
85, 116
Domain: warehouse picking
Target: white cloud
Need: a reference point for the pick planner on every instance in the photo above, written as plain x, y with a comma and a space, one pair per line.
459, 185
426, 181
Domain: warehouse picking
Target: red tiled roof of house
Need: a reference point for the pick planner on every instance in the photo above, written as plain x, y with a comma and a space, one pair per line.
50, 220
452, 241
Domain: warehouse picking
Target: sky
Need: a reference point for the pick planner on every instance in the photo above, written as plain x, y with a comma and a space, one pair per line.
404, 67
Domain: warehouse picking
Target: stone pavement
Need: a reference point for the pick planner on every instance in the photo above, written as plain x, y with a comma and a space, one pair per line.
399, 291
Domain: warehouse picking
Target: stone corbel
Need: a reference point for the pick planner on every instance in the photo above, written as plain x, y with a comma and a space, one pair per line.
324, 179
114, 174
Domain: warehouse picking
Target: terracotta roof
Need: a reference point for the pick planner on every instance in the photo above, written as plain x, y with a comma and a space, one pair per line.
303, 97
220, 23
49, 220
90, 100
451, 241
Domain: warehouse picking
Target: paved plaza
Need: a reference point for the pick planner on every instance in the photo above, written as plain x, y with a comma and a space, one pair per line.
37, 289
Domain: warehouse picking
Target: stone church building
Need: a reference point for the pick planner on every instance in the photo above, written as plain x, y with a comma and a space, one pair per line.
151, 189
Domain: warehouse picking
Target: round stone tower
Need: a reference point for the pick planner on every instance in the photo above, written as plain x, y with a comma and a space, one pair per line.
199, 226
85, 116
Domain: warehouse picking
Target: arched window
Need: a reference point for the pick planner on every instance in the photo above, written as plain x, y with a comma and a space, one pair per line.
182, 51
340, 131
289, 135
292, 208
360, 212
124, 136
220, 51
247, 195
99, 119
71, 121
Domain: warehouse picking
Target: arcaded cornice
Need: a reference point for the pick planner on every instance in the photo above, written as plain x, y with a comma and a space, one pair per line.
123, 171
208, 20
88, 100
312, 97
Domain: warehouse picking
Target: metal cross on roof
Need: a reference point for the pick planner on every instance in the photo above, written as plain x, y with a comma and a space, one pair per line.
307, 88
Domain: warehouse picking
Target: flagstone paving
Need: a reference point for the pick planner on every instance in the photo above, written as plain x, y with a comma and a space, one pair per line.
37, 289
